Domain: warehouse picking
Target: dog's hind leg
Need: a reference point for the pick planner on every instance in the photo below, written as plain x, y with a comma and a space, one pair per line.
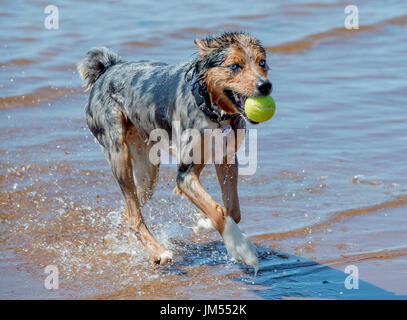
119, 157
144, 171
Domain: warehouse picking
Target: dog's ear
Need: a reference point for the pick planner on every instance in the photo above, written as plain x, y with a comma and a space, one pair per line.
203, 46
200, 44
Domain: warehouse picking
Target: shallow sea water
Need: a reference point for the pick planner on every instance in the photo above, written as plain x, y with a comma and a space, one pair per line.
330, 189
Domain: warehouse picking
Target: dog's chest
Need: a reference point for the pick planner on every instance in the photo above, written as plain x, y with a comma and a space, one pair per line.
212, 144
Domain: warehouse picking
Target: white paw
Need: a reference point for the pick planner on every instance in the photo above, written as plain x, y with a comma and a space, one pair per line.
239, 246
203, 225
166, 255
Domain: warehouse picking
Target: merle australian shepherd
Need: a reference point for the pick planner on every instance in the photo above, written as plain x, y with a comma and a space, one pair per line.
128, 100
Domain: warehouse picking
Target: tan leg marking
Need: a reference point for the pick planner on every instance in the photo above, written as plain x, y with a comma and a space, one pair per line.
191, 188
228, 176
121, 165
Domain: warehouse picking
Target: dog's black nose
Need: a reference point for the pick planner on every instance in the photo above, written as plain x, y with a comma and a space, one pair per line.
264, 87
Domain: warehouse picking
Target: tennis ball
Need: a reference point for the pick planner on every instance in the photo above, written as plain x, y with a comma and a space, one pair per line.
259, 109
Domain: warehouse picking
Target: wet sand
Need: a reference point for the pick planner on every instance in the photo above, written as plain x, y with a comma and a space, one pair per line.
330, 189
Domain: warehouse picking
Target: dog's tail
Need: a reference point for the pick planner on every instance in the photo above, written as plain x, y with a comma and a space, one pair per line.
95, 64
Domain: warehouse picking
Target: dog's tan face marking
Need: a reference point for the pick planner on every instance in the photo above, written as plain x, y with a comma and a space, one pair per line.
241, 68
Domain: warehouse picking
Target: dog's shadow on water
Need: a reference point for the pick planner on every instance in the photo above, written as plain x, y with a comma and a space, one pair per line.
280, 274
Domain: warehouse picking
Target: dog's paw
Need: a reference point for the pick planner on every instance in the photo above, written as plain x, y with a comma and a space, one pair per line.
163, 258
239, 246
166, 257
203, 225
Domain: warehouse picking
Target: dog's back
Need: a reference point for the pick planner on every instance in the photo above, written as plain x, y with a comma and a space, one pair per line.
150, 94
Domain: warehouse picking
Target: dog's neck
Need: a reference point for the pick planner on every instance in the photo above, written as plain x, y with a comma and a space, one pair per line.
203, 101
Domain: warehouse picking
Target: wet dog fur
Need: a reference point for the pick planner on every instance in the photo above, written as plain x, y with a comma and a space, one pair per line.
128, 100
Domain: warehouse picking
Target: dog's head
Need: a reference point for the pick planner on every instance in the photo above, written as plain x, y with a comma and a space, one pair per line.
232, 67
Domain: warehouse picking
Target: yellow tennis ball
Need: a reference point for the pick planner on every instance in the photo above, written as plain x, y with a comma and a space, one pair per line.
260, 109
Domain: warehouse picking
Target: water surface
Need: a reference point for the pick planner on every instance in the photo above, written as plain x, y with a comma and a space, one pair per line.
331, 185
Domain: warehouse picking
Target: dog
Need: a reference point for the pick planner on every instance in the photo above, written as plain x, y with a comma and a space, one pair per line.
128, 100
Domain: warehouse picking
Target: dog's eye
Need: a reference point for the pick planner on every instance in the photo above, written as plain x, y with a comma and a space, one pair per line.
234, 67
262, 63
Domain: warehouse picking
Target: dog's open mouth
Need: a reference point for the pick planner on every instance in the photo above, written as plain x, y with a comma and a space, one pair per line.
238, 100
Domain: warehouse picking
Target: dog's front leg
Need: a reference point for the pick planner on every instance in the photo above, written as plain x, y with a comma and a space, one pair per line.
227, 177
237, 243
189, 186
